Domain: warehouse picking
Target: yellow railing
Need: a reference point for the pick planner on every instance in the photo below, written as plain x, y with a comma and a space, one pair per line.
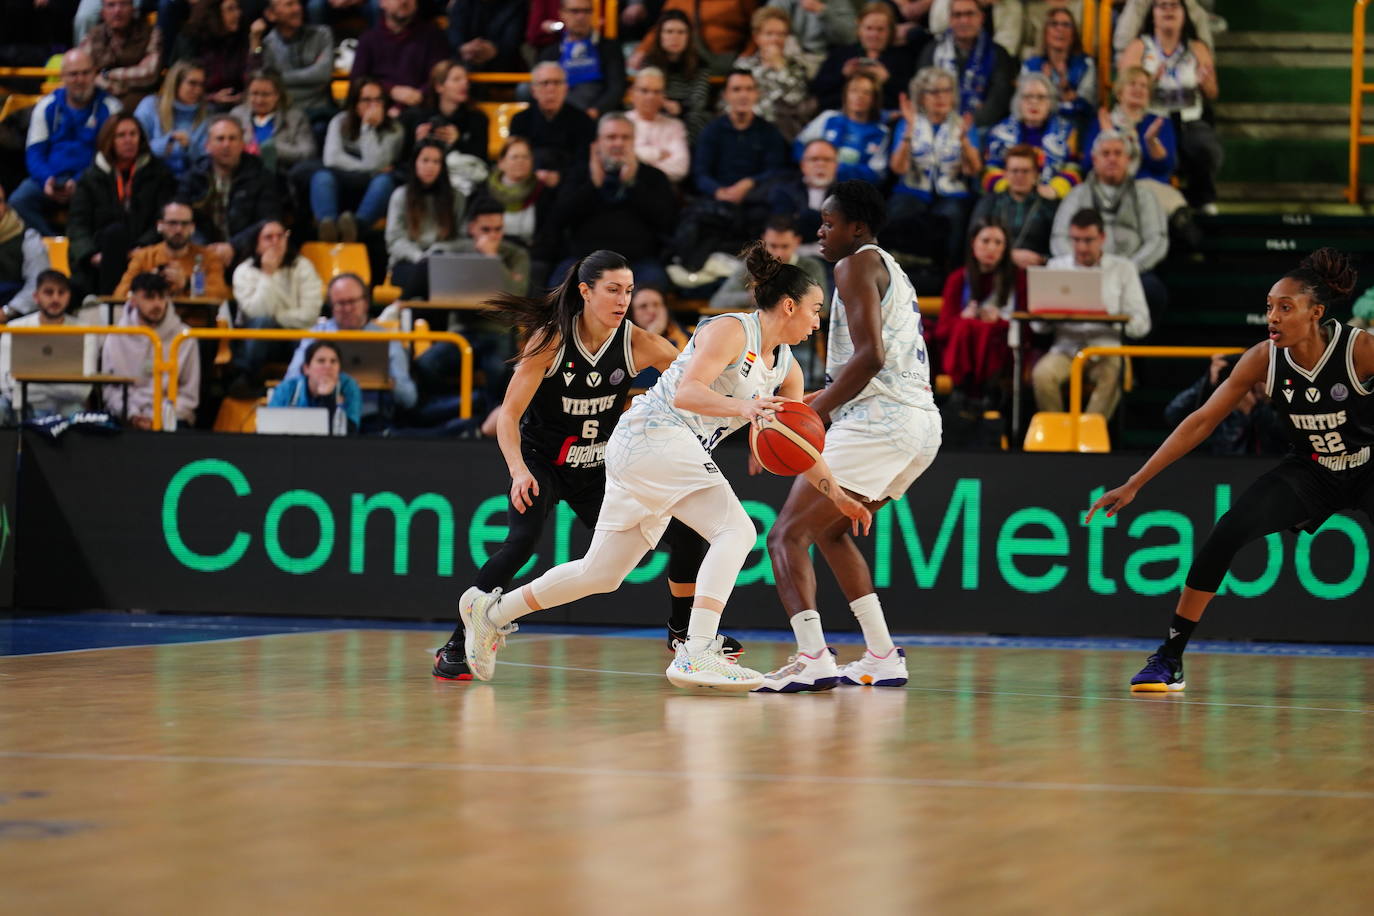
70, 330
458, 340
1105, 64
1081, 358
1358, 87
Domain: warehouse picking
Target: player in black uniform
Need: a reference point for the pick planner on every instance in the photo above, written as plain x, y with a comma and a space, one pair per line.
564, 399
1320, 374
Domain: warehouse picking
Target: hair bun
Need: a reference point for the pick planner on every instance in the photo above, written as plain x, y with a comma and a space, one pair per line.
1334, 270
762, 266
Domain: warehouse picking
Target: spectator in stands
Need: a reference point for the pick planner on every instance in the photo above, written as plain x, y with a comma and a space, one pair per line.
487, 33
933, 159
738, 151
595, 69
671, 47
783, 241
1253, 428
324, 13
784, 84
126, 52
229, 191
323, 383
422, 218
801, 197
649, 310
1185, 81
1025, 208
515, 186
275, 288
975, 314
399, 52
131, 355
1122, 294
818, 25
1072, 73
876, 52
349, 304
1136, 226
1008, 21
558, 133
1156, 143
216, 38
447, 116
544, 24
360, 155
274, 130
660, 139
176, 119
23, 256
53, 294
116, 205
61, 142
486, 235
721, 27
176, 257
1135, 14
982, 68
856, 131
1036, 123
613, 201
302, 54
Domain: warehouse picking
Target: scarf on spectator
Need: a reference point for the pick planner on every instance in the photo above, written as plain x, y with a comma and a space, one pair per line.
10, 225
976, 72
513, 196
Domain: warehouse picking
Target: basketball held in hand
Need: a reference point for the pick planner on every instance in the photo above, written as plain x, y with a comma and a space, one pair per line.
790, 442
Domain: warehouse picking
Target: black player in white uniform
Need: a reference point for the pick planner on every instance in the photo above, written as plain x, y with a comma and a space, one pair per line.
566, 395
1320, 374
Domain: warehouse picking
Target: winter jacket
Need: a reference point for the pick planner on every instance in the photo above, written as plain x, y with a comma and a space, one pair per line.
254, 196
177, 155
149, 259
131, 355
61, 139
96, 205
291, 296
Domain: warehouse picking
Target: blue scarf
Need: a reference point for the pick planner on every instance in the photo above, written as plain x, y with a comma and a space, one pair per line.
977, 70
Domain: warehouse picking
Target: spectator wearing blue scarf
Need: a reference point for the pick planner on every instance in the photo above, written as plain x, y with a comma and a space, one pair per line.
1036, 124
982, 69
1073, 73
595, 68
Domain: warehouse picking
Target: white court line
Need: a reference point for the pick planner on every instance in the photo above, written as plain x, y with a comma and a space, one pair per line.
703, 775
1005, 693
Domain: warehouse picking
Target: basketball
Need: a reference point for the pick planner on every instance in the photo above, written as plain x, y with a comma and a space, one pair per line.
790, 442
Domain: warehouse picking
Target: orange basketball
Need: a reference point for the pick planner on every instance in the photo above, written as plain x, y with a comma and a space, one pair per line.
790, 442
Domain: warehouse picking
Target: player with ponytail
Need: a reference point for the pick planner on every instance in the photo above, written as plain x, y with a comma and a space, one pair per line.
1320, 375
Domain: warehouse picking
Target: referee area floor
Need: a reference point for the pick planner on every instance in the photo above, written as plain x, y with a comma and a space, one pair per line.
157, 763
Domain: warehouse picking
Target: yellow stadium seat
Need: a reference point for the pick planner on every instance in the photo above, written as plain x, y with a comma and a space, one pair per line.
499, 115
339, 90
385, 293
57, 253
1053, 432
334, 258
420, 345
17, 102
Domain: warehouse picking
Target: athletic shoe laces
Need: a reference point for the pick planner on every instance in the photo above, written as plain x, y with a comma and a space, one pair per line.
1156, 666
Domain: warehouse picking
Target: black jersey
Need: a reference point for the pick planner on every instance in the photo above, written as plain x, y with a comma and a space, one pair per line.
574, 409
1328, 413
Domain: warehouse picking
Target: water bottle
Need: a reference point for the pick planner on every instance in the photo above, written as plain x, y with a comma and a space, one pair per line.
198, 277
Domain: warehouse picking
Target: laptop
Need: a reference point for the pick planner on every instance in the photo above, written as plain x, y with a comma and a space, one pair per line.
368, 363
1077, 292
294, 421
43, 355
465, 276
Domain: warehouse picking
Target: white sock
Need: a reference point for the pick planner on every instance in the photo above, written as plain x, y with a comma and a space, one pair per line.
701, 629
810, 636
869, 613
512, 606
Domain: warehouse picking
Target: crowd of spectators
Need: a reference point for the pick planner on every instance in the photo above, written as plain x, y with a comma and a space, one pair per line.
192, 153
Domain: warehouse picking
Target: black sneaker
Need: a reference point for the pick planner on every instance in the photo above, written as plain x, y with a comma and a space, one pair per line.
1161, 673
451, 663
730, 647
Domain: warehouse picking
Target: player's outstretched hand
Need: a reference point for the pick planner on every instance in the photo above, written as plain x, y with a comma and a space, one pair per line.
522, 485
860, 518
1113, 501
757, 409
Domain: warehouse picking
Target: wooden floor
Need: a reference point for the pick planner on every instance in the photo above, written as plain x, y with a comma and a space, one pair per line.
328, 772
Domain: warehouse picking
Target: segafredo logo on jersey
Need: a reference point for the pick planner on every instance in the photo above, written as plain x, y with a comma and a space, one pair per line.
750, 358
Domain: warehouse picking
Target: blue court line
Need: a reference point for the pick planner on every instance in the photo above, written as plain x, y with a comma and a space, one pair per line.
103, 630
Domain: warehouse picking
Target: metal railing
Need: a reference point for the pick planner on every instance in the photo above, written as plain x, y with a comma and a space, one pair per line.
1358, 87
458, 340
71, 330
1082, 356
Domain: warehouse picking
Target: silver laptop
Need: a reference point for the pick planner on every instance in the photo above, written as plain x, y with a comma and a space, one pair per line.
43, 355
465, 276
368, 363
294, 421
1051, 289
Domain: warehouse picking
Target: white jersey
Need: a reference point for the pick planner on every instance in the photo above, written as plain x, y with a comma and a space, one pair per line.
745, 377
904, 378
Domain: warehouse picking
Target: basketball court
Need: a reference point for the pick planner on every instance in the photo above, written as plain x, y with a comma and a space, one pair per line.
292, 766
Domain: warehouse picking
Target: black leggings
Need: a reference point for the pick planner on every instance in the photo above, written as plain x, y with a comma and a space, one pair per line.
1269, 505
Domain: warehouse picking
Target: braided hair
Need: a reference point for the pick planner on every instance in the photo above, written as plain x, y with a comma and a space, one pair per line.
1326, 275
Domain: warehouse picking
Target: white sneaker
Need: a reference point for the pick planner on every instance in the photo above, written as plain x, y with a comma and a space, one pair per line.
871, 670
482, 638
710, 667
803, 673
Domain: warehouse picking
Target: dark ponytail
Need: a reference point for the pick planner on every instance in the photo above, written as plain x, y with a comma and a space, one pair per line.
1326, 275
772, 280
552, 318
